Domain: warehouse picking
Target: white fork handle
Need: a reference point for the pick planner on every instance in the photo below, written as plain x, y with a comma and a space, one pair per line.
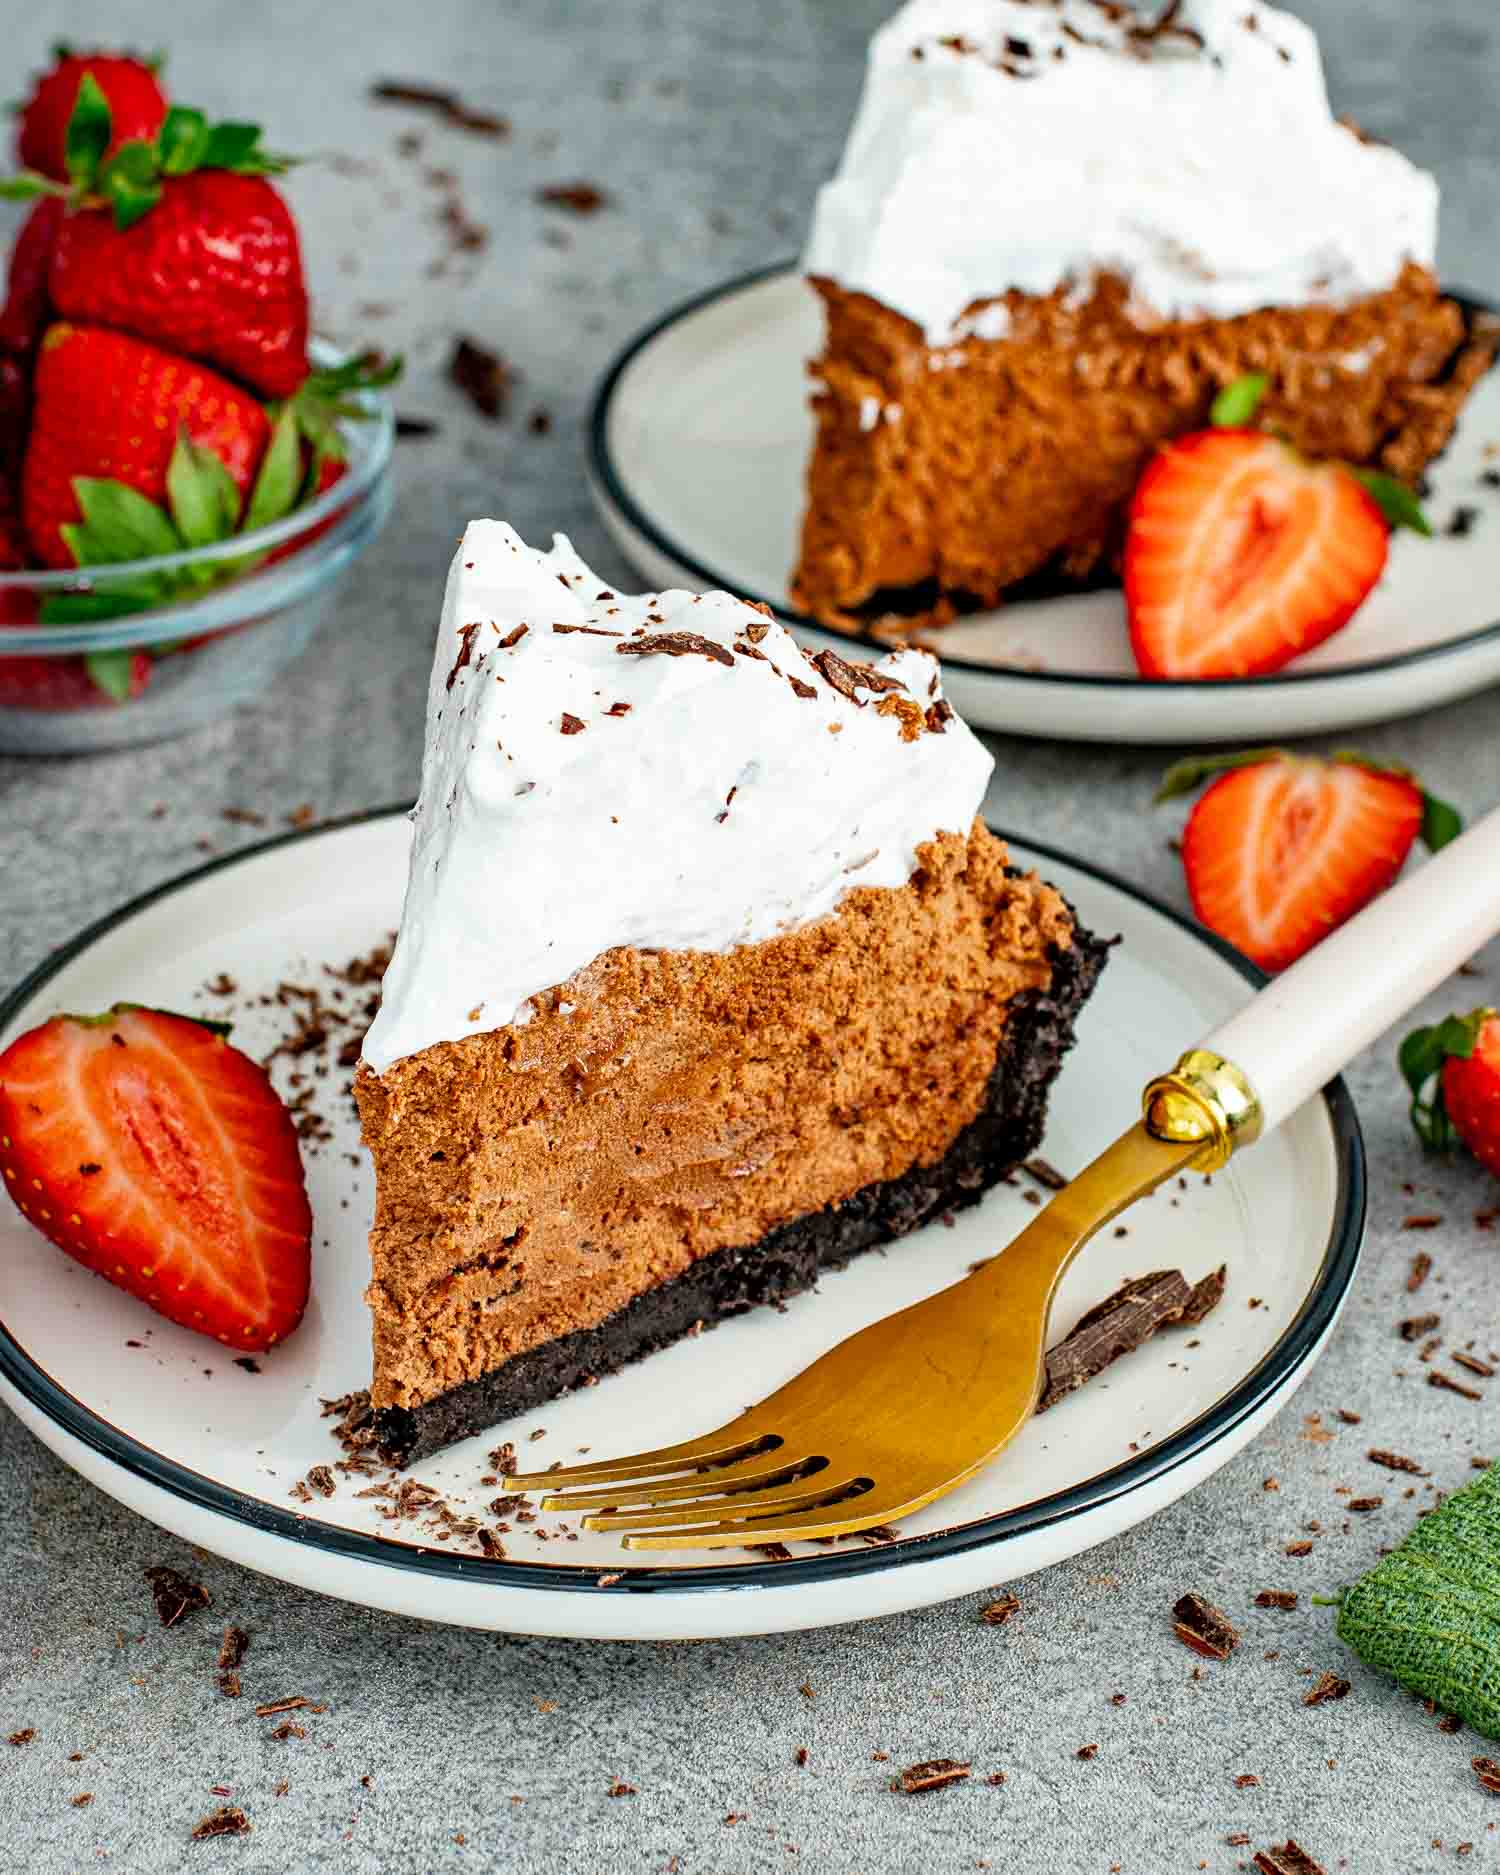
1312, 1020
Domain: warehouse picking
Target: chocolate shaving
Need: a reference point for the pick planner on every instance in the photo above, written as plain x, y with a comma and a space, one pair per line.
1421, 1269
1302, 1547
847, 679
512, 638
1329, 1686
1044, 1174
1000, 1611
618, 709
939, 715
1473, 1363
675, 645
572, 725
232, 1650
1415, 1327
932, 1774
1364, 1503
414, 429
800, 689
174, 1595
756, 633
230, 1821
299, 1702
1208, 1292
482, 375
465, 651
1289, 1859
591, 631
1394, 1461
1204, 1628
446, 105
1449, 1385
24, 1737
1422, 1220
1122, 1323
1285, 1599
580, 198
1488, 1772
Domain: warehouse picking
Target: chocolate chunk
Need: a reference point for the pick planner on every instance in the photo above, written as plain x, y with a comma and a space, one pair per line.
1208, 1292
1421, 1269
1449, 1385
1474, 1365
572, 725
1421, 1220
1276, 1598
1118, 1326
800, 689
675, 645
1488, 1772
931, 1774
1044, 1173
756, 633
24, 1737
229, 1821
1461, 521
618, 709
998, 1612
1415, 1327
465, 652
1086, 1752
1329, 1686
412, 429
579, 198
1204, 1628
512, 638
939, 715
1289, 1859
174, 1595
619, 1788
1364, 1503
1301, 1547
482, 375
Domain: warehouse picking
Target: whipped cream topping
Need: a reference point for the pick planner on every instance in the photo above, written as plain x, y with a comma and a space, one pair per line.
1027, 143
662, 771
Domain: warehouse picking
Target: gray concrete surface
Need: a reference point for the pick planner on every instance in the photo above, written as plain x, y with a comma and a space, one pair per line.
710, 123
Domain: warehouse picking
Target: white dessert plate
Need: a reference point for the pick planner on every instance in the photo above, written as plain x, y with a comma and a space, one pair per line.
167, 1423
698, 444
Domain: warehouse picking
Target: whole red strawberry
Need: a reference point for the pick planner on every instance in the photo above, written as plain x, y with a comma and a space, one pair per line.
213, 270
137, 106
158, 1156
25, 312
1453, 1070
107, 418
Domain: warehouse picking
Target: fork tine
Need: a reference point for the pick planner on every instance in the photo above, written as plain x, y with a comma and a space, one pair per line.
861, 1513
728, 1478
720, 1447
752, 1507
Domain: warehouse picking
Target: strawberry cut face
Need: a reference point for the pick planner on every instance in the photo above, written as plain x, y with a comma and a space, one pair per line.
1240, 556
159, 1157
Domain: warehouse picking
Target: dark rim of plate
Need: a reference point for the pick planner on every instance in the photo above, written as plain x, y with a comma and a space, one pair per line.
1292, 1351
607, 478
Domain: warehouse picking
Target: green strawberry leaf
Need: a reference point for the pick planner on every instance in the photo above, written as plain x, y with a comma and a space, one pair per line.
109, 671
119, 523
1238, 402
130, 183
88, 131
368, 371
28, 186
1441, 822
1394, 500
85, 608
202, 497
182, 141
1182, 777
1421, 1057
275, 490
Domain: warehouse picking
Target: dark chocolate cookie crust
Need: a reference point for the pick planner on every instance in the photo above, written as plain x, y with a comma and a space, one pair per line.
1007, 1129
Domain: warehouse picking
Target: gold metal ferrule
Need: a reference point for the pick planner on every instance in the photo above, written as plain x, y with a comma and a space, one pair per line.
1204, 1098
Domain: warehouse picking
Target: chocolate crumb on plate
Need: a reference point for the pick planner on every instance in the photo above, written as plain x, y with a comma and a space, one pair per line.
931, 1774
228, 1821
482, 375
174, 1595
1289, 1859
1204, 1628
1329, 1686
1120, 1324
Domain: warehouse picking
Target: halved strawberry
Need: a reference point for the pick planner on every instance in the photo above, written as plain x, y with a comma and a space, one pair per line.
161, 1158
1282, 848
1453, 1070
1240, 555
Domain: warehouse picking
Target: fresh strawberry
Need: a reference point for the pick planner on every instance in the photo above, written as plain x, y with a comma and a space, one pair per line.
108, 411
25, 313
145, 1146
1240, 555
1453, 1070
1282, 848
137, 106
213, 271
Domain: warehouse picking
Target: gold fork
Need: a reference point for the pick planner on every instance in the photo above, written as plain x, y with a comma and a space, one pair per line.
911, 1406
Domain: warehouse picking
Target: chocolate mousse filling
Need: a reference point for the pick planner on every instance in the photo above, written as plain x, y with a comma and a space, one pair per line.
1038, 1030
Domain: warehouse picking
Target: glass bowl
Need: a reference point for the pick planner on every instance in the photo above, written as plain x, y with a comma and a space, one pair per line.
210, 650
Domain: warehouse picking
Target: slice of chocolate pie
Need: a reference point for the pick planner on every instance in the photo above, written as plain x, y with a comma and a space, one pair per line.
708, 977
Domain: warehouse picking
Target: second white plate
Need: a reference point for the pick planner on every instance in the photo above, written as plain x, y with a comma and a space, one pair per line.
698, 444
